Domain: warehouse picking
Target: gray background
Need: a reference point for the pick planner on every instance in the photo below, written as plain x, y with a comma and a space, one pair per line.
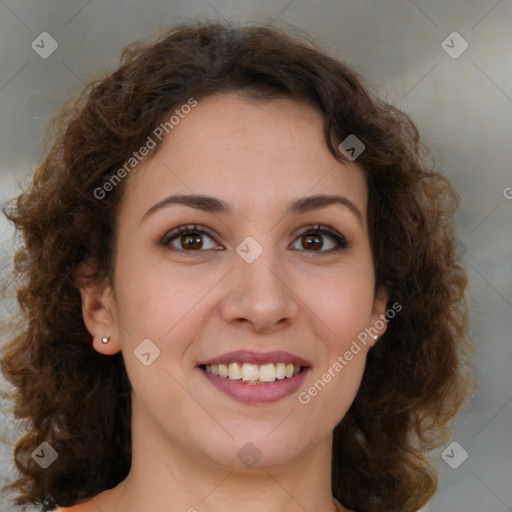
462, 106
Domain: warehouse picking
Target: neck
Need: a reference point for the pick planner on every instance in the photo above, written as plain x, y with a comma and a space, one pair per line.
162, 475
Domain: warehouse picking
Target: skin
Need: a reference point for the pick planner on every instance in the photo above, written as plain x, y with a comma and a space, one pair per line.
196, 304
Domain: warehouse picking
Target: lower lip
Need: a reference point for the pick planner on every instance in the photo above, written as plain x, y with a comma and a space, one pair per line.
257, 393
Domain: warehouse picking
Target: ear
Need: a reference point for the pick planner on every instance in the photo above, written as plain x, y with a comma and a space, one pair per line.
378, 321
99, 312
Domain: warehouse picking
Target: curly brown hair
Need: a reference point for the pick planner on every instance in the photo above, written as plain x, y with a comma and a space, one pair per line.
417, 376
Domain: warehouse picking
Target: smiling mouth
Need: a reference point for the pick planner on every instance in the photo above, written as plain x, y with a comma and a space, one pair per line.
253, 373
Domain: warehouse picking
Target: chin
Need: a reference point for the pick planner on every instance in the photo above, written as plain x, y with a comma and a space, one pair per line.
257, 449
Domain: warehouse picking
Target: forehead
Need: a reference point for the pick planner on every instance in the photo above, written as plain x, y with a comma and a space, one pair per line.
246, 150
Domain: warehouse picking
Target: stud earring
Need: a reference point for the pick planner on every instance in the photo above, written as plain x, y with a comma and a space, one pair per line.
106, 339
374, 336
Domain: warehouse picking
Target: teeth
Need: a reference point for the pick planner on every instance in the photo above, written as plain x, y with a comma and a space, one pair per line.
268, 373
223, 370
234, 372
251, 373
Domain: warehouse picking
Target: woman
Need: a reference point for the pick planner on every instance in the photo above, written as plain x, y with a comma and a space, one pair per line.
239, 289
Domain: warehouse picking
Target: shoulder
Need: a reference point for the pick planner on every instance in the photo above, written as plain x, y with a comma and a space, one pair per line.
87, 506
98, 503
75, 508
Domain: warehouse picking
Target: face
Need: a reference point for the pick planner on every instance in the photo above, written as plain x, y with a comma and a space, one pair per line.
272, 273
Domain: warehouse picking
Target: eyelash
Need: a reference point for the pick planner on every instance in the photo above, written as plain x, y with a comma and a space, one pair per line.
311, 229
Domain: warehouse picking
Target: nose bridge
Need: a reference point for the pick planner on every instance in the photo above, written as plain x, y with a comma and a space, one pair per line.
262, 273
259, 293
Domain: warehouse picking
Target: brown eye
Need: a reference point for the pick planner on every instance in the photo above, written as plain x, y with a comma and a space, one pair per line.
193, 241
321, 239
313, 242
188, 238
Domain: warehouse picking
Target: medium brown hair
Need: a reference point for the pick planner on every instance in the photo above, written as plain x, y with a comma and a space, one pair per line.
417, 375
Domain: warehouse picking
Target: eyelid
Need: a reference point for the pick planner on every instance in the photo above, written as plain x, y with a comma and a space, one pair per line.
323, 229
186, 228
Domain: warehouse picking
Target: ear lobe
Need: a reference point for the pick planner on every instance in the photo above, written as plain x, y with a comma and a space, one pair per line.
378, 318
98, 310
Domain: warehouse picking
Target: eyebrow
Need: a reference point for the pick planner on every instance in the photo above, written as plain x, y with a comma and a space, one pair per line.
213, 205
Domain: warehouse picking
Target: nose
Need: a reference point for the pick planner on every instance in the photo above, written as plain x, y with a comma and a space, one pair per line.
260, 297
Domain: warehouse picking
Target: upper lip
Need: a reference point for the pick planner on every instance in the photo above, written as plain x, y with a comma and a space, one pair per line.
259, 358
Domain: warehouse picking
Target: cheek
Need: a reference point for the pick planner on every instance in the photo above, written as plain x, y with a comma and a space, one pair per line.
160, 304
343, 304
329, 393
156, 296
335, 381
